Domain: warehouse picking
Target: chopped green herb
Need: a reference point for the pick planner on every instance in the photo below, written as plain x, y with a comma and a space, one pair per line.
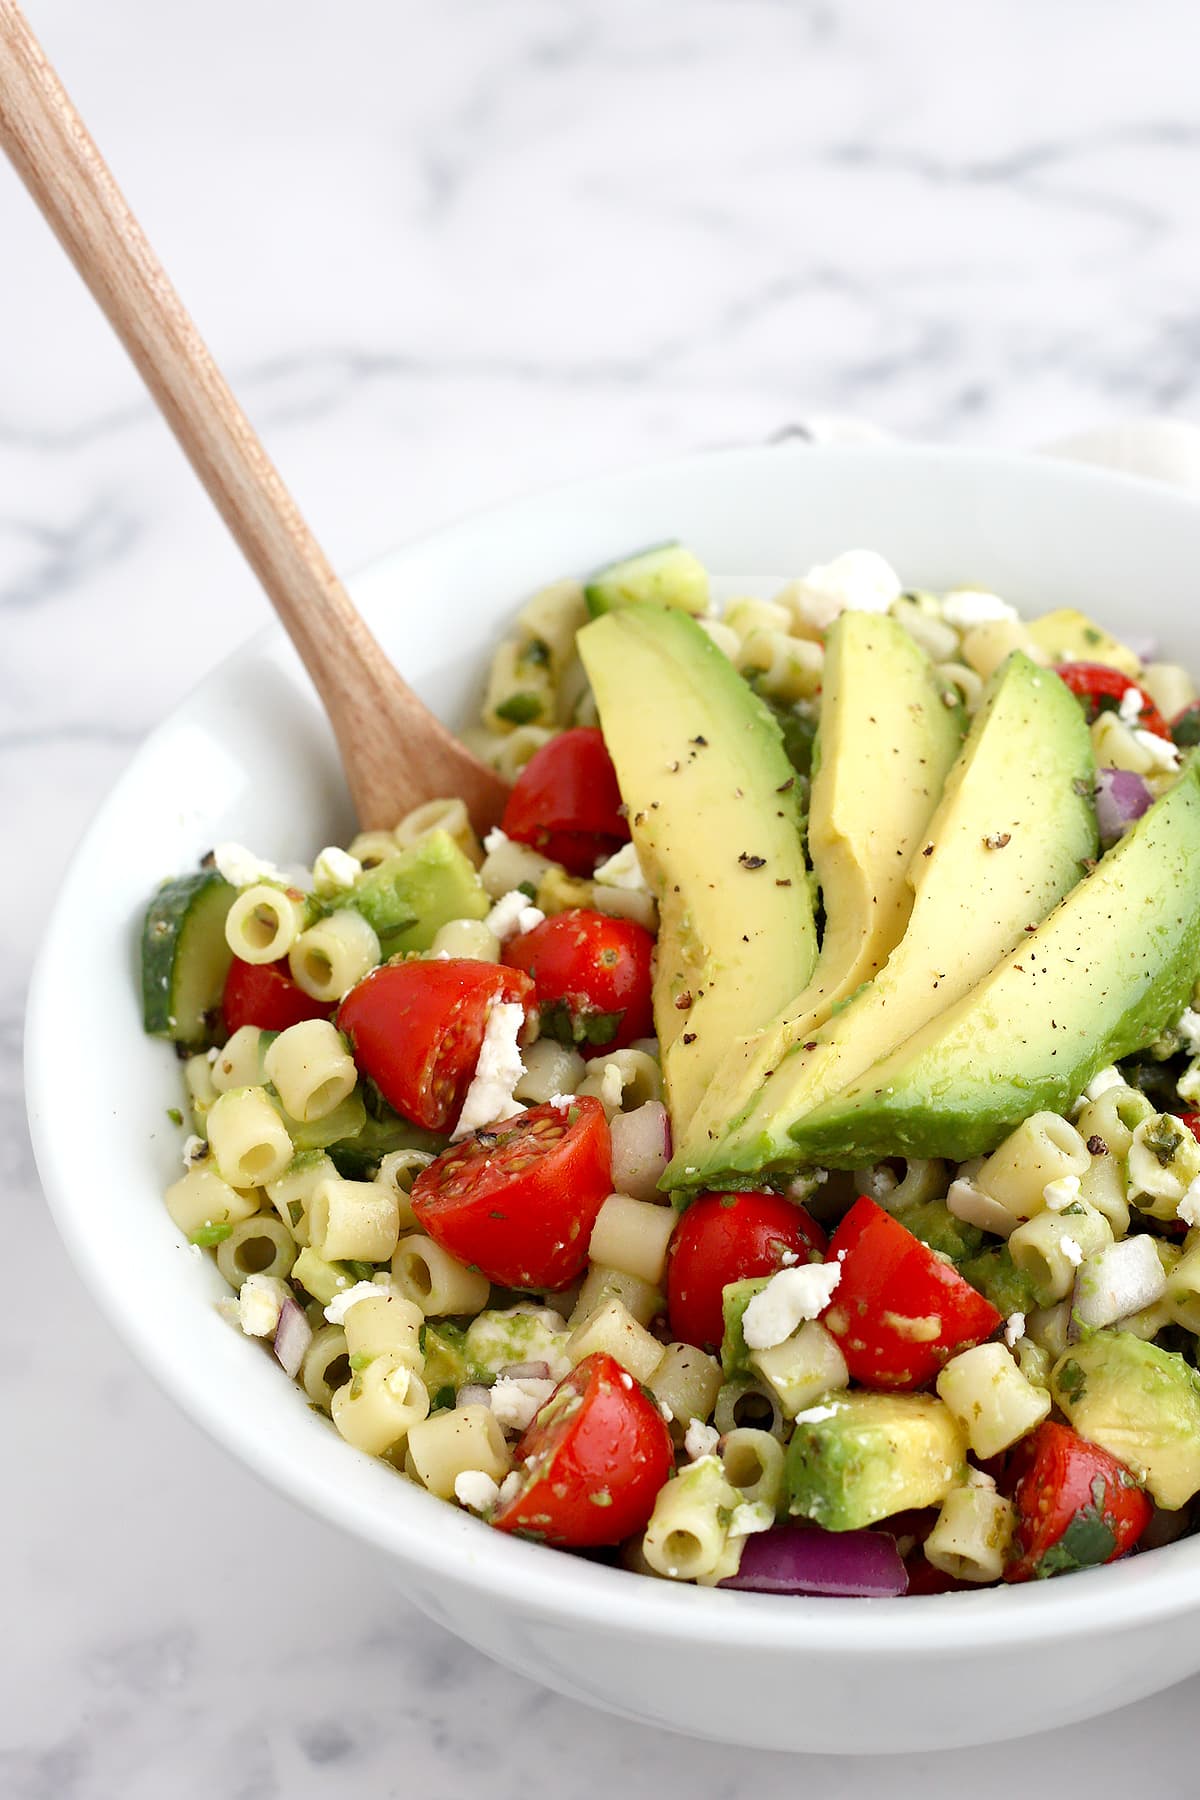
359, 1360
520, 709
175, 1116
209, 1235
1072, 1382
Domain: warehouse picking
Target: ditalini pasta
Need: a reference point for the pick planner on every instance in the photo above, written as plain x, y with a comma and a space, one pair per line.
780, 1126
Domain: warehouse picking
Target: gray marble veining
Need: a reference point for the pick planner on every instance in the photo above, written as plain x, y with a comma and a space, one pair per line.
446, 254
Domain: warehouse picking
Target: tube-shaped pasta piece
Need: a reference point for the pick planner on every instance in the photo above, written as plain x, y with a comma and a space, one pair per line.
248, 1138
687, 1531
802, 1369
1116, 747
745, 1401
261, 1245
514, 751
632, 1235
264, 922
357, 1221
551, 618
968, 683
991, 1398
744, 614
201, 1199
613, 1328
1183, 1289
1042, 1149
397, 1172
786, 668
520, 692
986, 646
1169, 686
448, 815
938, 640
1102, 1185
333, 955
469, 938
550, 1068
686, 1382
1050, 1247
373, 848
326, 1365
601, 1283
1114, 1116
626, 903
623, 1081
753, 1464
202, 1089
311, 1068
430, 1277
1163, 1161
508, 865
240, 1063
385, 1324
379, 1405
971, 1537
450, 1443
1047, 1327
291, 1194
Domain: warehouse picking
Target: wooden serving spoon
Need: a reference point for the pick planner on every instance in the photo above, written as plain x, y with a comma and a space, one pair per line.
394, 752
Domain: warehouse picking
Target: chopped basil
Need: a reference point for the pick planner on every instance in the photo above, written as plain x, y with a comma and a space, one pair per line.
520, 709
209, 1235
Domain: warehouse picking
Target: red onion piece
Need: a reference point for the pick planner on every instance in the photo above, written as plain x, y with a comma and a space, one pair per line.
474, 1394
293, 1335
803, 1559
1121, 797
532, 1371
641, 1150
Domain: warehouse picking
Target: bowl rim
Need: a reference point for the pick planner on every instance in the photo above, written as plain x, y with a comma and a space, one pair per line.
448, 1544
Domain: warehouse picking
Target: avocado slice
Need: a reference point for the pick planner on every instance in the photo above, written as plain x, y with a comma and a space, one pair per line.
1099, 979
886, 742
1010, 836
1141, 1404
857, 1458
714, 815
408, 898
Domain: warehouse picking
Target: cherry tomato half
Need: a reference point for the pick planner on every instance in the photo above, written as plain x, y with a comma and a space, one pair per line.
593, 1461
898, 1312
727, 1237
566, 802
1076, 1504
416, 1028
265, 995
592, 975
1102, 689
519, 1199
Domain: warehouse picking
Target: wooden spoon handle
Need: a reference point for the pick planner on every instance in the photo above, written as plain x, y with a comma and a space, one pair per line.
54, 155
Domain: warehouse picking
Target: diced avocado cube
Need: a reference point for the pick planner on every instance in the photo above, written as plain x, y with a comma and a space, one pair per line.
407, 899
1139, 1402
447, 1364
935, 1225
736, 1297
516, 1334
862, 1457
665, 574
998, 1279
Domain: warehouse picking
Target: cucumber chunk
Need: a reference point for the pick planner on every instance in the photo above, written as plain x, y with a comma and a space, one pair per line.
665, 574
185, 957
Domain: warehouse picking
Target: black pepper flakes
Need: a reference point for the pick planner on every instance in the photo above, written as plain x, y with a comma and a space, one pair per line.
1097, 1145
928, 850
683, 1002
999, 840
752, 862
783, 881
784, 786
689, 1037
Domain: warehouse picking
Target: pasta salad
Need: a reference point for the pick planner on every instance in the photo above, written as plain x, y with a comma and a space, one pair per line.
768, 1158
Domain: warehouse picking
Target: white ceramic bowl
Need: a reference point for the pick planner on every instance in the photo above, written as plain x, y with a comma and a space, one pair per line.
249, 757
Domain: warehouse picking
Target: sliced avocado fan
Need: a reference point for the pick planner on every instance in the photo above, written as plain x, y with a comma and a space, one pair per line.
888, 736
1011, 835
713, 811
1099, 979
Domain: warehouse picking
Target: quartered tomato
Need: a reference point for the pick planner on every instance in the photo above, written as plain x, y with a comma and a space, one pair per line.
592, 975
898, 1312
1102, 690
1076, 1505
592, 1462
519, 1199
416, 1028
566, 802
727, 1237
265, 995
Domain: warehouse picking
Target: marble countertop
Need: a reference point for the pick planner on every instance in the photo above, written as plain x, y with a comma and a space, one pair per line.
449, 253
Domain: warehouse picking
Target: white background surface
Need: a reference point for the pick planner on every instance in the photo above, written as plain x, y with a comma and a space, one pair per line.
447, 253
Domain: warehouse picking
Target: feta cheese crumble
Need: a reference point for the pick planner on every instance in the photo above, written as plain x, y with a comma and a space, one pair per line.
490, 1095
966, 607
495, 840
1071, 1251
1014, 1329
1161, 753
1189, 1207
751, 1516
511, 914
612, 1087
788, 1298
340, 1305
195, 1150
1102, 1080
700, 1439
1130, 709
516, 1399
623, 871
1061, 1193
334, 871
241, 868
856, 581
475, 1489
510, 1487
1188, 1027
259, 1304
816, 1415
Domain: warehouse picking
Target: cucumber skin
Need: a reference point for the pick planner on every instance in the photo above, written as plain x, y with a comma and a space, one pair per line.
607, 588
165, 940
